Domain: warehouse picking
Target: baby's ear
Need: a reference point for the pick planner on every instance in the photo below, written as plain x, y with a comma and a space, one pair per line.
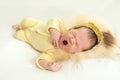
108, 39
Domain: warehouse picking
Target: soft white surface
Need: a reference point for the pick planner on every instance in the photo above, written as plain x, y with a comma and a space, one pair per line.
17, 59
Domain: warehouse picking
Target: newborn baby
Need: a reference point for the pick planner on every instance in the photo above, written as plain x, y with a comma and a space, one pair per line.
56, 43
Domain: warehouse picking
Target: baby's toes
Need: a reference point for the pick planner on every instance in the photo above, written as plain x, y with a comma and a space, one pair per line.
15, 27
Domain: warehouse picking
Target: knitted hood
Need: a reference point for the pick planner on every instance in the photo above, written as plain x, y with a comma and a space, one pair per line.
106, 45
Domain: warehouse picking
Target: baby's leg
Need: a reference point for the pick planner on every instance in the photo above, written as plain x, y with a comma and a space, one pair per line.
30, 23
26, 23
49, 65
20, 34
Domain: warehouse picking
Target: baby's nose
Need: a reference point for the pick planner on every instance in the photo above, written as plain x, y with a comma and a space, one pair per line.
65, 42
72, 41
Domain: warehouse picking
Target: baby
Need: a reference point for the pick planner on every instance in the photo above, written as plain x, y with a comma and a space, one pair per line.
56, 43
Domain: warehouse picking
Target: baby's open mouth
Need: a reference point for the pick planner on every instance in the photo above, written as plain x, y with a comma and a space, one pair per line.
65, 42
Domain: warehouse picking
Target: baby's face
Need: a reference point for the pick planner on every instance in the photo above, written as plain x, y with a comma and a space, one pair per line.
75, 40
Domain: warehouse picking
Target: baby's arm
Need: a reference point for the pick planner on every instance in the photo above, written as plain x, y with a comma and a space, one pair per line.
54, 37
54, 28
46, 61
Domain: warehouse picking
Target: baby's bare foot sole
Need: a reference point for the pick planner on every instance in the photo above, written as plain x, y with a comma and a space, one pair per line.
15, 27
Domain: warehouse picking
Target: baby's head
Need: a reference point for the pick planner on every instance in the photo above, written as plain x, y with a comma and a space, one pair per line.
78, 39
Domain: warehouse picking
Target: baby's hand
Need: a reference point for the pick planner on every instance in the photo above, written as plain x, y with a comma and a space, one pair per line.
55, 67
52, 66
54, 37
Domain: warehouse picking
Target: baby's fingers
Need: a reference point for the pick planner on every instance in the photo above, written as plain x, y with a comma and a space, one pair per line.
55, 43
56, 67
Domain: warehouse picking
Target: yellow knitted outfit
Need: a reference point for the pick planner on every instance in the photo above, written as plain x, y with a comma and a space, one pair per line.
36, 33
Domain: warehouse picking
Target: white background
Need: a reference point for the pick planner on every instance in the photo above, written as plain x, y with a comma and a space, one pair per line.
17, 59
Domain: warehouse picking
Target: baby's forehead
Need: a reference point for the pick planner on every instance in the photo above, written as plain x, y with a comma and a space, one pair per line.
83, 29
85, 32
82, 32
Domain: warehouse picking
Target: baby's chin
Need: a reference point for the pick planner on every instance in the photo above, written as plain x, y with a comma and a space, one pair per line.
69, 50
63, 47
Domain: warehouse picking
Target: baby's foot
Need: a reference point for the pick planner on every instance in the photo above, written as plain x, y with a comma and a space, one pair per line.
15, 27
